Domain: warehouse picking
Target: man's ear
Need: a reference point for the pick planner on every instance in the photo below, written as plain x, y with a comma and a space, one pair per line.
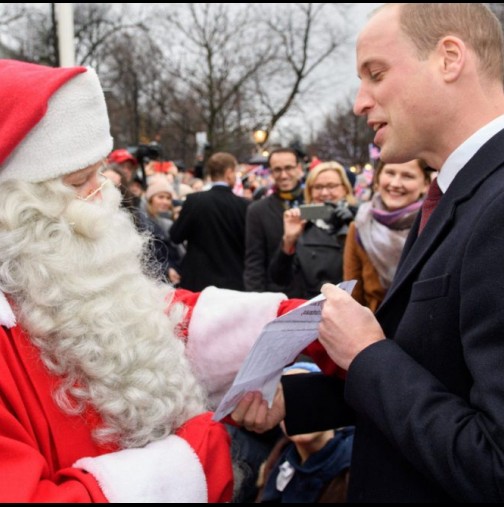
452, 53
229, 176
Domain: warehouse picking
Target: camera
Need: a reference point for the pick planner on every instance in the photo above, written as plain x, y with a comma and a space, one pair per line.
337, 214
316, 211
146, 152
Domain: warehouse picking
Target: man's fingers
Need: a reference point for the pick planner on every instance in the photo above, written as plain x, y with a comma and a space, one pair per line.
329, 289
258, 424
239, 413
252, 412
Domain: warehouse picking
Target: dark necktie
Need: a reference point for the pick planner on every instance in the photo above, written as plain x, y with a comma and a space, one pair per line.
430, 203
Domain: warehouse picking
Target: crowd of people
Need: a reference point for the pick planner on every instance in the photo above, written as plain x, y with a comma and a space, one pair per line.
129, 298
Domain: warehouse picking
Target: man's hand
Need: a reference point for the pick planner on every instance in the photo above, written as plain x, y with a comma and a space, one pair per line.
346, 327
253, 413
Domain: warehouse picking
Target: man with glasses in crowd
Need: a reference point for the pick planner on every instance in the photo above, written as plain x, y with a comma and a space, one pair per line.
264, 225
263, 234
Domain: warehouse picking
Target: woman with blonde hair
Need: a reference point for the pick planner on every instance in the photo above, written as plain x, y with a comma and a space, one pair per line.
311, 251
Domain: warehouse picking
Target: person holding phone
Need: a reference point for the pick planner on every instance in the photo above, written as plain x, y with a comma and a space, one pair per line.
264, 227
311, 251
424, 374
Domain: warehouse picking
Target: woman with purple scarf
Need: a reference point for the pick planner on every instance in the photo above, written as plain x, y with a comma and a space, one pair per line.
376, 238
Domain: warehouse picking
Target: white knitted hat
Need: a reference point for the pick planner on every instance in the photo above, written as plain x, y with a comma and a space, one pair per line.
53, 121
156, 187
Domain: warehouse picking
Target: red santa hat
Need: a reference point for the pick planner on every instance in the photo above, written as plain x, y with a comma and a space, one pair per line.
53, 121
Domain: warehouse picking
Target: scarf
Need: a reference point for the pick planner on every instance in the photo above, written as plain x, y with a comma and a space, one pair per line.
383, 233
291, 198
291, 481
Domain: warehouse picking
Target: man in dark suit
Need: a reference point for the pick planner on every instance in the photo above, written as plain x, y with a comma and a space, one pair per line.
425, 375
213, 225
265, 220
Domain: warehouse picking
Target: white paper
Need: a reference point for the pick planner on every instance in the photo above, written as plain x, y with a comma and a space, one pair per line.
278, 345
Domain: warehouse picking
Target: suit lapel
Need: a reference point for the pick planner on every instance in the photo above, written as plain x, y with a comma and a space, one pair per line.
417, 249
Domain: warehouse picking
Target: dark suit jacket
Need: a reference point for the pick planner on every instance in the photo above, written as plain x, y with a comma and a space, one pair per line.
264, 236
213, 224
429, 401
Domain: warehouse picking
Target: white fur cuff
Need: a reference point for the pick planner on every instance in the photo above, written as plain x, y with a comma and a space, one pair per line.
223, 327
164, 471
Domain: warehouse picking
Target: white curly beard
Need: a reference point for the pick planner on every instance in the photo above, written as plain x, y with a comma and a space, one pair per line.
75, 272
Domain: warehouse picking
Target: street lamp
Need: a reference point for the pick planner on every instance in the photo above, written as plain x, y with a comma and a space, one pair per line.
260, 136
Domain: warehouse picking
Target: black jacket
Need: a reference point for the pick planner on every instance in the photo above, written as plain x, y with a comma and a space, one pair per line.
429, 400
264, 233
318, 259
212, 223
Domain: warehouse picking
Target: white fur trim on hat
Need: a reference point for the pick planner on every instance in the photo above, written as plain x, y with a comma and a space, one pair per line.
223, 327
165, 471
157, 186
73, 134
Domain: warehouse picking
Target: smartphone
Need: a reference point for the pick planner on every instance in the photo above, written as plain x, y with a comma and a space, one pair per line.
315, 211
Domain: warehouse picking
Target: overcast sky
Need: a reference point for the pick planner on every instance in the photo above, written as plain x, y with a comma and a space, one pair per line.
342, 82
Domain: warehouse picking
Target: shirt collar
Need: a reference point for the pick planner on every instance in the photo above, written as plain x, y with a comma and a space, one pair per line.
459, 158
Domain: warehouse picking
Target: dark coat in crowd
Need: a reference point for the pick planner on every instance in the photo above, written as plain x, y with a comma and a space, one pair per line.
264, 234
212, 224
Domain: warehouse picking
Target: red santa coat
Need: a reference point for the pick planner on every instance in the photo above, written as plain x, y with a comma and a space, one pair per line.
38, 443
49, 456
39, 446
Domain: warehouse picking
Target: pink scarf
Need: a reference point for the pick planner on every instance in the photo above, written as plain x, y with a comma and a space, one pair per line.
383, 233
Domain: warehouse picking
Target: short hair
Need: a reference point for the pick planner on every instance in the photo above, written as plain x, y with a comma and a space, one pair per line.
284, 150
474, 23
218, 163
328, 166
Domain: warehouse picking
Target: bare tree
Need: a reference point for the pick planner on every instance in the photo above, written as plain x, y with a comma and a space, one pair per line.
31, 32
218, 68
105, 39
124, 83
212, 67
305, 37
10, 14
96, 28
246, 65
344, 137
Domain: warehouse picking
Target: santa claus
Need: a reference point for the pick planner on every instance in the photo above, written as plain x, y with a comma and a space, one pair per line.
102, 367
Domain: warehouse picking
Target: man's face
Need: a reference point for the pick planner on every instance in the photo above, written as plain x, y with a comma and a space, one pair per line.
286, 172
397, 91
128, 168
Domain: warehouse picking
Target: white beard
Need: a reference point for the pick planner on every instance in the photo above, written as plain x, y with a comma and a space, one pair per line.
75, 272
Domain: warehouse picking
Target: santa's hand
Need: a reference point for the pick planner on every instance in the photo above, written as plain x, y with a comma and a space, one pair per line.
253, 413
346, 327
